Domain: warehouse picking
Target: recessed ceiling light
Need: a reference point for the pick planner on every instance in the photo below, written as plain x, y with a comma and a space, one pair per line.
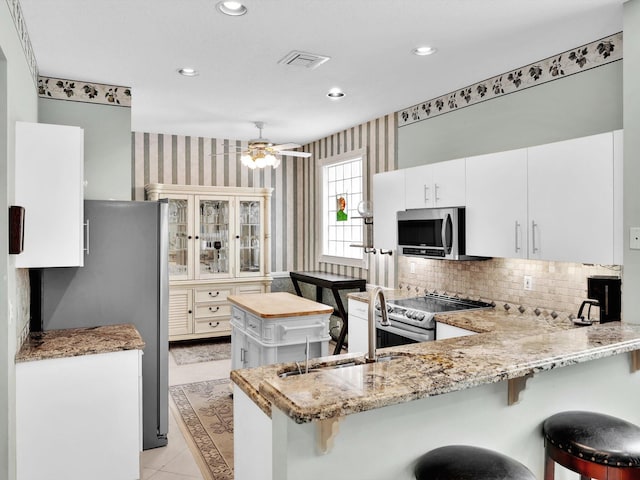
235, 9
422, 51
335, 93
188, 72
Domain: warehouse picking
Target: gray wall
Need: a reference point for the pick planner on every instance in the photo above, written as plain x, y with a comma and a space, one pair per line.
107, 144
575, 106
631, 270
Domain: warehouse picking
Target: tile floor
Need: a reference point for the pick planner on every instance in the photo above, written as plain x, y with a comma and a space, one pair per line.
175, 461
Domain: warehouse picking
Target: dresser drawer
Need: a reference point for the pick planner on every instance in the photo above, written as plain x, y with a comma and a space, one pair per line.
211, 325
213, 310
213, 294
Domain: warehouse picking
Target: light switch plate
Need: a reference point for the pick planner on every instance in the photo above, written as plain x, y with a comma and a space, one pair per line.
634, 238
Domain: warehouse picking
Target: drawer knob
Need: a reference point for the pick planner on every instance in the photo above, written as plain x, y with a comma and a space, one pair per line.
214, 311
190, 312
212, 325
212, 295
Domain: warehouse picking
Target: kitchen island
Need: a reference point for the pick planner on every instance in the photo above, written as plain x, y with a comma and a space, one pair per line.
493, 390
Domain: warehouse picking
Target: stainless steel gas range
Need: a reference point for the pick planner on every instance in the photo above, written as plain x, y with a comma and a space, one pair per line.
412, 319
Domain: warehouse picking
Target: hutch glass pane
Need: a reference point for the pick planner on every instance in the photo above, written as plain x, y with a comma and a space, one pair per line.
214, 236
249, 236
178, 241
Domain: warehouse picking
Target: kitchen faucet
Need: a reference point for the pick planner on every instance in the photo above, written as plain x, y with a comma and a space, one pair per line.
373, 296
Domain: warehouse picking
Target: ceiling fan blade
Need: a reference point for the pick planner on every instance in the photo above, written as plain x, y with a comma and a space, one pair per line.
296, 154
285, 146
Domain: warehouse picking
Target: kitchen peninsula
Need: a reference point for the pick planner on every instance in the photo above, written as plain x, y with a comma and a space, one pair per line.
492, 390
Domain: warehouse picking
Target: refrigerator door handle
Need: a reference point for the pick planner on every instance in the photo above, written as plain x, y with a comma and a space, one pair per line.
86, 242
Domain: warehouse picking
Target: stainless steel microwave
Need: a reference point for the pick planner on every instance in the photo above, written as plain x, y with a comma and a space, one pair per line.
433, 233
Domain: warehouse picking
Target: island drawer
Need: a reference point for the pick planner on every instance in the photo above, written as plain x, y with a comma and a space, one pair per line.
285, 330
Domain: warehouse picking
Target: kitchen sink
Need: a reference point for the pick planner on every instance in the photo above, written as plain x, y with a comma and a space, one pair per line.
300, 370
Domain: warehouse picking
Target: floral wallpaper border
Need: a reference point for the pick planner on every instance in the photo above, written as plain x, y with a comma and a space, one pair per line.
21, 28
594, 54
79, 91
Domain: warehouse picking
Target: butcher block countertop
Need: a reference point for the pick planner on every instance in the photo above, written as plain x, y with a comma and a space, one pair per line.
74, 342
509, 346
279, 305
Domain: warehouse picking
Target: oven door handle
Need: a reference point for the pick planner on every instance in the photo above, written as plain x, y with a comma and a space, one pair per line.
418, 337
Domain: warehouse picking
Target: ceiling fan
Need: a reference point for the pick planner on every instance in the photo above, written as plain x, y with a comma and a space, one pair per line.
261, 153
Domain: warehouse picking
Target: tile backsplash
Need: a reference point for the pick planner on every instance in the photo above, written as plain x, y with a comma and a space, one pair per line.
556, 286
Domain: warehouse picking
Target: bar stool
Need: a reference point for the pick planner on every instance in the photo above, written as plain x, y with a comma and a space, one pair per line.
455, 462
592, 444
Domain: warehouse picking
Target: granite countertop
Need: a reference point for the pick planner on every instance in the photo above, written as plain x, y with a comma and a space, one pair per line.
509, 346
73, 342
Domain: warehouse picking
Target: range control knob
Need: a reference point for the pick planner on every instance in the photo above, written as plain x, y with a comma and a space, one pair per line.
421, 316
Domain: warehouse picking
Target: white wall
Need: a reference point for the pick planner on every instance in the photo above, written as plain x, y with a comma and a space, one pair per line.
631, 261
18, 101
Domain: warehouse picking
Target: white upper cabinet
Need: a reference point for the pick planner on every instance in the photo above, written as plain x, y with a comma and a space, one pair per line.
560, 201
496, 213
49, 185
571, 200
435, 185
388, 199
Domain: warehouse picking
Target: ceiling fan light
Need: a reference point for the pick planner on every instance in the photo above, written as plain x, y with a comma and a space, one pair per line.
234, 9
261, 162
270, 159
246, 159
276, 163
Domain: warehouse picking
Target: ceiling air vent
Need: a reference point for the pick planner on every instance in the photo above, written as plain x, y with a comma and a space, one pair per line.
303, 59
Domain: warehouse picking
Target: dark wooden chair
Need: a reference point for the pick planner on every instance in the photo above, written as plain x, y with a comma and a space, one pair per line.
456, 462
592, 444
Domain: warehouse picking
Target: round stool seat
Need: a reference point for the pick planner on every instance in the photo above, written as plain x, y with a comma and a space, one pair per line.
595, 437
462, 462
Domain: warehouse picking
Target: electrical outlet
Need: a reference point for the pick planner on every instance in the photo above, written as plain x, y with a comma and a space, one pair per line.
412, 267
528, 282
634, 238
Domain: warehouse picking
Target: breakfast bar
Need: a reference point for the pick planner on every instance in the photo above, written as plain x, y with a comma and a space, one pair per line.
494, 389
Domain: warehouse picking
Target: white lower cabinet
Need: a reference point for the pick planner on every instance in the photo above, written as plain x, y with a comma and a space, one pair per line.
444, 331
358, 326
79, 417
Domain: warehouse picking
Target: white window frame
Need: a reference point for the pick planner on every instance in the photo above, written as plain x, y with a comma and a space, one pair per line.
321, 214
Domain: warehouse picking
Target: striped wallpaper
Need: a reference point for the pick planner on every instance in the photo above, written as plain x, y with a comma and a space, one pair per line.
184, 160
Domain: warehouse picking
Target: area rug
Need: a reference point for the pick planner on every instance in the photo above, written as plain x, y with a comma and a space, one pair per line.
188, 352
205, 416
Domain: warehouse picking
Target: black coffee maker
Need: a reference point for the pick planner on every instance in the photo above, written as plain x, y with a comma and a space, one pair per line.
606, 291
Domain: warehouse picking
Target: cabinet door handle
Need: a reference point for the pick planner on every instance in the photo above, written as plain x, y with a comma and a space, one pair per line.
190, 312
436, 188
214, 311
212, 295
533, 236
212, 325
426, 190
242, 351
197, 237
517, 227
189, 237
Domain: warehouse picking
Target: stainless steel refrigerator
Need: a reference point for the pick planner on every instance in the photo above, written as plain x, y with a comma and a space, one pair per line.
124, 280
